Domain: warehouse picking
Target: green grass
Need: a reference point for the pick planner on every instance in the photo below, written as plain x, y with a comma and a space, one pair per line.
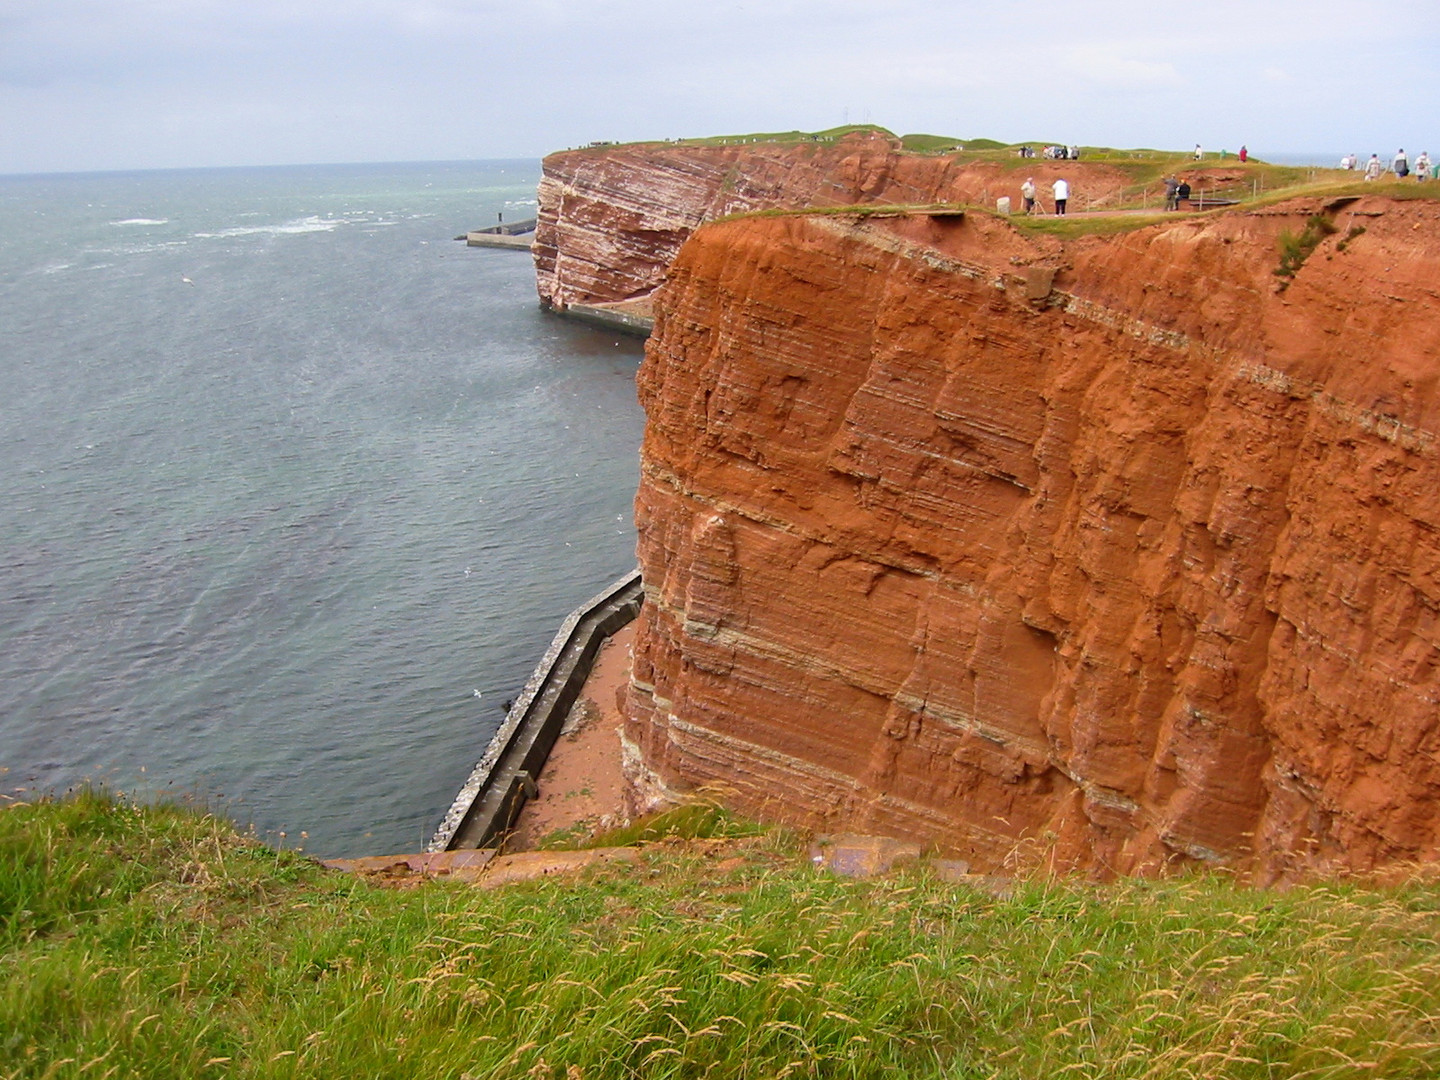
1068, 228
700, 820
930, 144
858, 210
157, 943
1333, 189
1064, 226
829, 135
693, 821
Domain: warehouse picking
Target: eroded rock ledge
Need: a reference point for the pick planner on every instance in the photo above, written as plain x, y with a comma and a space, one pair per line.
1112, 547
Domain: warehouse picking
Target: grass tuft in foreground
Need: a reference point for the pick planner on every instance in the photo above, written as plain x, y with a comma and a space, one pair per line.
155, 942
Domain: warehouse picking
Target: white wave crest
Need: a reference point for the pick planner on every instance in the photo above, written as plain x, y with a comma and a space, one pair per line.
142, 221
137, 248
290, 228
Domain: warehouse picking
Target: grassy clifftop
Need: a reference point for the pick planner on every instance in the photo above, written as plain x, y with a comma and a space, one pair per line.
155, 942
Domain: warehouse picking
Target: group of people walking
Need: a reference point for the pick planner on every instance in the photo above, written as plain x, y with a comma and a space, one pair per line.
1177, 191
1060, 189
1400, 165
1053, 153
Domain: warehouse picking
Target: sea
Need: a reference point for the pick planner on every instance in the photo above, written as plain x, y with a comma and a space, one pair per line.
1320, 159
294, 488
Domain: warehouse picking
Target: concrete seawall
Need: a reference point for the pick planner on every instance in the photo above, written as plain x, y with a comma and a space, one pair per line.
490, 800
504, 228
498, 240
612, 317
516, 235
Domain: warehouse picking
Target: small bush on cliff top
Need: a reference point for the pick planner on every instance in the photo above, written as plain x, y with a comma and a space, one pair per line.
167, 946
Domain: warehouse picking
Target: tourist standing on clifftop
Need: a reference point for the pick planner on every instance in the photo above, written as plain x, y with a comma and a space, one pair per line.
1062, 196
1422, 166
1171, 186
1027, 194
1373, 168
1401, 165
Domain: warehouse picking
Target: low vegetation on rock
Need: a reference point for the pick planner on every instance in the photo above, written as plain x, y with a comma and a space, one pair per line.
154, 941
1296, 248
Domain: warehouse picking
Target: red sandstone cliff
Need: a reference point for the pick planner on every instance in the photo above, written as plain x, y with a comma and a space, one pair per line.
1144, 568
611, 220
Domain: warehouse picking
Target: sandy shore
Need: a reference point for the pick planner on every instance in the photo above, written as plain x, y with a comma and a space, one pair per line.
580, 788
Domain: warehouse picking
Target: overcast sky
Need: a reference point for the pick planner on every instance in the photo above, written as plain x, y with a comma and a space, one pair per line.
122, 84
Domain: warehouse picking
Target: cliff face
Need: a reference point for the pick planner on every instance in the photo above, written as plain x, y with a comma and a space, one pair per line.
610, 221
1115, 547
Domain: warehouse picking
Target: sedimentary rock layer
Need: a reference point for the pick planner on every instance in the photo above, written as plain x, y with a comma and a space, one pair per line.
1118, 550
611, 220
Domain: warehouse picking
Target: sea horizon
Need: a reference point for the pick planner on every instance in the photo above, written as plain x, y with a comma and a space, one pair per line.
1319, 159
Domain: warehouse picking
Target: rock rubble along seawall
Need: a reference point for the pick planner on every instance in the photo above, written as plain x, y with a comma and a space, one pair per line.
611, 221
1112, 548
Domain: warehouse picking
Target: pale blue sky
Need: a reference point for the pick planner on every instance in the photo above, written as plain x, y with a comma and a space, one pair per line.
120, 84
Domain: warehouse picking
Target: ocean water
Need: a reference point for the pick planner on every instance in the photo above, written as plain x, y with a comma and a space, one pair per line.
294, 488
1321, 159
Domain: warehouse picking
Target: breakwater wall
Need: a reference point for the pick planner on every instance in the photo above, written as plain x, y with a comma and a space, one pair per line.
513, 235
612, 317
492, 796
513, 228
498, 240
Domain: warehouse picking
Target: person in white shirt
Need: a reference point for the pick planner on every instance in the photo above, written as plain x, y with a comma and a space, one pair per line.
1422, 166
1027, 194
1373, 168
1062, 196
1400, 166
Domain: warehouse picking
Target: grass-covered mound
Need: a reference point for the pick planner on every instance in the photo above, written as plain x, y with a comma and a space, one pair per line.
155, 942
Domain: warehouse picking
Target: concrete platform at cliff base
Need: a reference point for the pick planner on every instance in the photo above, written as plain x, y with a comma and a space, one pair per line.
580, 794
633, 317
580, 791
